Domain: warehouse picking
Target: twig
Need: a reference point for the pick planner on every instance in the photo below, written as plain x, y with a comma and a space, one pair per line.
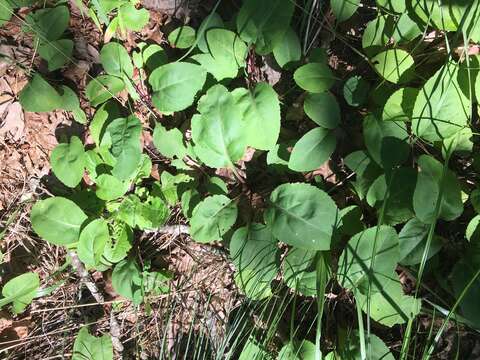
88, 281
174, 230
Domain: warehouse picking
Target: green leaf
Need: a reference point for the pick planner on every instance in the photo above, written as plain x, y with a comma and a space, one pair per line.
386, 141
104, 115
124, 136
344, 9
57, 220
299, 271
213, 21
288, 51
376, 35
169, 142
115, 60
314, 77
39, 96
390, 306
71, 103
212, 218
127, 280
218, 131
90, 347
68, 162
366, 171
302, 215
20, 291
150, 214
405, 29
413, 239
349, 347
397, 6
441, 109
154, 56
91, 244
6, 11
110, 188
312, 150
399, 106
56, 53
355, 91
463, 272
400, 185
356, 259
119, 244
48, 24
427, 190
175, 85
261, 112
132, 18
475, 200
394, 65
226, 54
264, 23
323, 109
303, 350
182, 37
102, 88
350, 220
254, 248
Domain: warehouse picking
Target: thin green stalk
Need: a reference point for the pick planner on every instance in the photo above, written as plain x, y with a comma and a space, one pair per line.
322, 278
429, 351
406, 342
361, 331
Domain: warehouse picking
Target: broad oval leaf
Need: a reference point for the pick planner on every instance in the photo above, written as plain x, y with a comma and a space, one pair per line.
312, 150
366, 171
376, 35
261, 112
302, 215
386, 142
355, 91
127, 280
57, 220
398, 186
182, 37
264, 23
68, 162
413, 239
56, 53
212, 218
441, 108
132, 18
314, 77
299, 271
390, 306
115, 60
169, 142
213, 21
344, 9
219, 132
39, 96
399, 106
91, 244
149, 214
102, 88
20, 291
49, 23
323, 109
175, 85
254, 247
303, 350
226, 54
356, 260
110, 188
427, 191
397, 6
289, 51
394, 65
90, 347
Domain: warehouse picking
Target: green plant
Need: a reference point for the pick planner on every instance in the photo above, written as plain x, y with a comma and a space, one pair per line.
344, 233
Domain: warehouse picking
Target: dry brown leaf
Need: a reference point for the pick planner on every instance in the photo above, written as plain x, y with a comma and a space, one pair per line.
14, 122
